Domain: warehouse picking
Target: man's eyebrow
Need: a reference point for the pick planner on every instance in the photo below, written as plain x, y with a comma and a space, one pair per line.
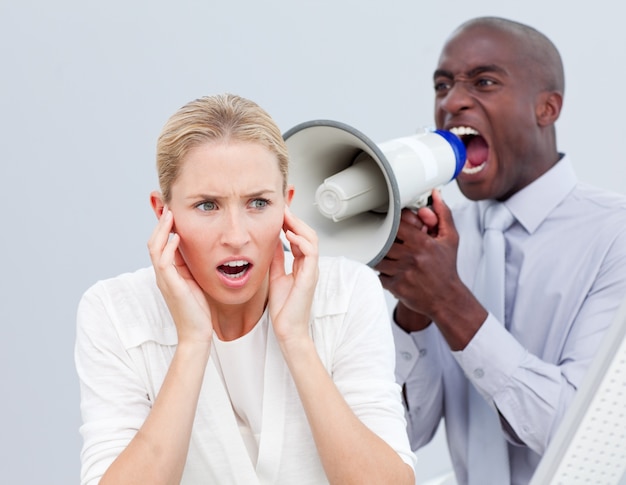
483, 69
442, 73
476, 71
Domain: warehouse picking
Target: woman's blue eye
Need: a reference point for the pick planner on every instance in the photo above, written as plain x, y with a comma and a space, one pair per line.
206, 206
260, 203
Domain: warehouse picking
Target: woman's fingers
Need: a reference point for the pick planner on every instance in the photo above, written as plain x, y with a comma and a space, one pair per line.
163, 248
277, 266
183, 295
160, 236
303, 238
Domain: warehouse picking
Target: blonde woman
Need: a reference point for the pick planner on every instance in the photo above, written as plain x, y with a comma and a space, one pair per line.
230, 360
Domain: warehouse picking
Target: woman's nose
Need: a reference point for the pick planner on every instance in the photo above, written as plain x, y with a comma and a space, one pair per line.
235, 231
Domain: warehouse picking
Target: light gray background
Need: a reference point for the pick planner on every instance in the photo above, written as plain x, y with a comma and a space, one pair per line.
86, 86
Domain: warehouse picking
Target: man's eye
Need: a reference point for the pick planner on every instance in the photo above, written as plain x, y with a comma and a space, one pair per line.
259, 203
485, 83
207, 206
441, 86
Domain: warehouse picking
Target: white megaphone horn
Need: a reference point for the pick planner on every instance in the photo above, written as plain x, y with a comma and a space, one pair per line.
351, 191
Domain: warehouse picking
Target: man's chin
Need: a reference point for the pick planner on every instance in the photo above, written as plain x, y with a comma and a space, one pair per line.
473, 190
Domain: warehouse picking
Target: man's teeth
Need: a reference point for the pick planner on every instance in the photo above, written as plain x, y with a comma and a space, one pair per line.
473, 169
463, 130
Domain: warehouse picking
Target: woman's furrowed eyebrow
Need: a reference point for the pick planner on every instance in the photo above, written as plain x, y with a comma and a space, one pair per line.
260, 193
251, 195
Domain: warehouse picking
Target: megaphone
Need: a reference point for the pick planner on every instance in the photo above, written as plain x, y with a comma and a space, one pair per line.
351, 191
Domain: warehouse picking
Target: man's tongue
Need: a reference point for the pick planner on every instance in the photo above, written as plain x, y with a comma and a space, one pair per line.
477, 150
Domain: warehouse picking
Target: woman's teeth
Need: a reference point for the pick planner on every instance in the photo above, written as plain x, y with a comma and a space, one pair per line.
234, 269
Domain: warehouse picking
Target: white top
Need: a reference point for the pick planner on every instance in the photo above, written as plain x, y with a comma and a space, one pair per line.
125, 342
240, 363
566, 276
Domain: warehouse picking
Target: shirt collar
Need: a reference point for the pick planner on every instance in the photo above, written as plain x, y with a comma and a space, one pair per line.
533, 203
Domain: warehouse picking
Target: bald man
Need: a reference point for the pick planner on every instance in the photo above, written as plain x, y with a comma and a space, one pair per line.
499, 85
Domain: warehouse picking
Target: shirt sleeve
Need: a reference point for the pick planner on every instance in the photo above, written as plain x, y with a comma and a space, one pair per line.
419, 372
531, 394
114, 401
364, 361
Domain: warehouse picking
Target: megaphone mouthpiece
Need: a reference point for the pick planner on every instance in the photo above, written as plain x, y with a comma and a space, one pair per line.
359, 188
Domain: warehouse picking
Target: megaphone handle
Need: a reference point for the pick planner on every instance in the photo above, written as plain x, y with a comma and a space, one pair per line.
424, 200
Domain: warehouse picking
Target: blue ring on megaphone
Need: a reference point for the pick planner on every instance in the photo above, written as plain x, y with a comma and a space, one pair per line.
457, 147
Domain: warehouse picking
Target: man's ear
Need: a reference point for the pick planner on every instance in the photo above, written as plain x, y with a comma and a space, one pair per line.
549, 107
157, 203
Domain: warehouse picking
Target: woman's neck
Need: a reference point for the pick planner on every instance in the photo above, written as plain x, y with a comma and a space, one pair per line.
231, 322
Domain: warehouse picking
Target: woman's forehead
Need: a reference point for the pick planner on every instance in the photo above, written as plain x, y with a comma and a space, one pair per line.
232, 164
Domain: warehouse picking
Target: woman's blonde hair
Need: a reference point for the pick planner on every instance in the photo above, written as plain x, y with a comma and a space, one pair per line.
223, 117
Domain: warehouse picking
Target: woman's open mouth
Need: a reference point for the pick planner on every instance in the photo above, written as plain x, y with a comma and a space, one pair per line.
234, 269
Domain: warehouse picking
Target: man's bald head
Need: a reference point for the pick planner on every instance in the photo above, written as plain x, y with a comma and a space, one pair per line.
536, 50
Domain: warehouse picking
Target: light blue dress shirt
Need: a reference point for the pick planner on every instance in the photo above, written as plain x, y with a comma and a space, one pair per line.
565, 278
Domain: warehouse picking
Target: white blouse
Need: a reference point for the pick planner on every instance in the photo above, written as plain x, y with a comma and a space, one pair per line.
126, 340
240, 363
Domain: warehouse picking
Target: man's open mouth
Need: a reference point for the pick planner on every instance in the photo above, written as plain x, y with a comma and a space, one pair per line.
476, 148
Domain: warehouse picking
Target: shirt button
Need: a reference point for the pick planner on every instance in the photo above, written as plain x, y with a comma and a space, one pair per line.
406, 355
478, 373
423, 352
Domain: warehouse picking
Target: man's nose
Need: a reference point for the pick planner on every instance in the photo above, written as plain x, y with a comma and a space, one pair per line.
456, 99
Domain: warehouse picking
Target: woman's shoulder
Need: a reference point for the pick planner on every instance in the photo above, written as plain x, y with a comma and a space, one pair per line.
337, 270
132, 304
131, 284
340, 278
344, 269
